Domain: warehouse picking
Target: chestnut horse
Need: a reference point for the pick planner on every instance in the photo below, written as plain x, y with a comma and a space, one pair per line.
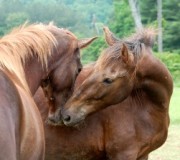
126, 73
101, 136
28, 55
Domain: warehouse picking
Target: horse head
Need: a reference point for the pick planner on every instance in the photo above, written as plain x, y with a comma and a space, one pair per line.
112, 79
59, 83
109, 83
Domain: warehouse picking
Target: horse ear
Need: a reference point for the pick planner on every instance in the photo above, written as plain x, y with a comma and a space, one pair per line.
85, 42
124, 53
109, 37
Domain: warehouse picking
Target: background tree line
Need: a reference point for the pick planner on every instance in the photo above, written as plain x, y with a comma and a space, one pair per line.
86, 18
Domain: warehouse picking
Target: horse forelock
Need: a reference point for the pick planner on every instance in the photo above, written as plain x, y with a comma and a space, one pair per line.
140, 40
109, 57
24, 42
145, 36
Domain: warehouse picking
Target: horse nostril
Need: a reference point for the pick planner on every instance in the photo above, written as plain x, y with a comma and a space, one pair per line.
67, 118
79, 70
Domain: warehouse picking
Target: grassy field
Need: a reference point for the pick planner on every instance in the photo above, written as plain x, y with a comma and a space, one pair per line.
175, 106
171, 149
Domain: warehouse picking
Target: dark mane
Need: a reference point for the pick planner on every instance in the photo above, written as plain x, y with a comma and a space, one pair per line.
142, 37
145, 35
135, 43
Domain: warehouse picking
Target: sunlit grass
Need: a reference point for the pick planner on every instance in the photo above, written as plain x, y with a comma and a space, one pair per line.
175, 107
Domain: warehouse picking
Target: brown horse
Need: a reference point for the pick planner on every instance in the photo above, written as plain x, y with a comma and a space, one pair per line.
28, 55
126, 73
125, 68
102, 136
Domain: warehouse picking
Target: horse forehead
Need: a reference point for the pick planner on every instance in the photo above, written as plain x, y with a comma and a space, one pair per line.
73, 43
107, 68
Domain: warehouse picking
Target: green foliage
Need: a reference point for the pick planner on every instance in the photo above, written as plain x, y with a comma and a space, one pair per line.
12, 14
15, 19
148, 11
122, 23
171, 23
171, 14
172, 61
93, 51
174, 106
76, 16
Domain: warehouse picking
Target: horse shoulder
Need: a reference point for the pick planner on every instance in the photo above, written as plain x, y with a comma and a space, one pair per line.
10, 119
21, 119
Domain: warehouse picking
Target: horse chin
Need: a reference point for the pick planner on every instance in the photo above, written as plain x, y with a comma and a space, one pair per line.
51, 123
77, 123
80, 125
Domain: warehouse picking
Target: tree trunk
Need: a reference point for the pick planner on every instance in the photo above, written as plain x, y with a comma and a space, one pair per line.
135, 13
159, 18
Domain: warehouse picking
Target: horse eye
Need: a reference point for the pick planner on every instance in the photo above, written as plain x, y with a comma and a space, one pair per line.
79, 70
51, 98
76, 50
107, 81
45, 82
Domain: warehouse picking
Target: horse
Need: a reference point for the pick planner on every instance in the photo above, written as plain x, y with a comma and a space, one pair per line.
131, 82
30, 55
99, 136
64, 142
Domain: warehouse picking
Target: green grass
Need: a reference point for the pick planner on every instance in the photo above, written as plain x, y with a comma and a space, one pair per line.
175, 107
172, 61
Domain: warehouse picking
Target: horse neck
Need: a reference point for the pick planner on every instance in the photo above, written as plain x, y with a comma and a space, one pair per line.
34, 73
143, 70
154, 78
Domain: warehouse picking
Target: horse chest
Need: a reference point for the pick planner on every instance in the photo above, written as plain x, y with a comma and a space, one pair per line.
68, 143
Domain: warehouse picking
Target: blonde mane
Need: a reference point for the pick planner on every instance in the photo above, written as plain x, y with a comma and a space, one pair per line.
22, 43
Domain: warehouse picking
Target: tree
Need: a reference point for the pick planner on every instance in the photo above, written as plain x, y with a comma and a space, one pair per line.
159, 19
171, 23
16, 19
135, 13
121, 23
